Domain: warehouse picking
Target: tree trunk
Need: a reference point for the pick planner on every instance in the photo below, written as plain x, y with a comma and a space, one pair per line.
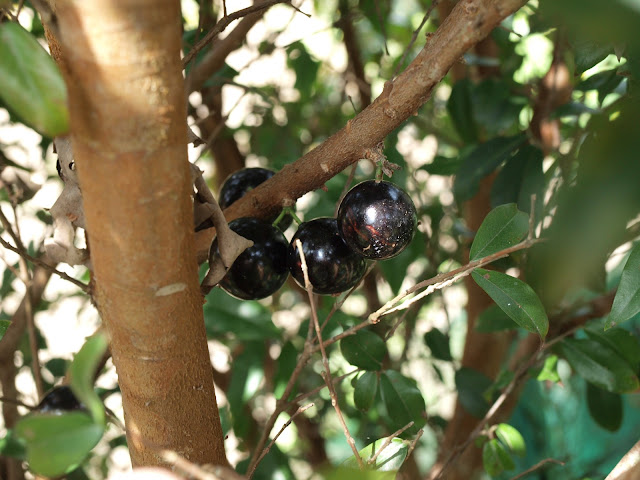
128, 119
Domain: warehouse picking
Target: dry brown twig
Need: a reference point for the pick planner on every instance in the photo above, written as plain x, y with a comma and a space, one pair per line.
224, 23
275, 438
538, 465
326, 375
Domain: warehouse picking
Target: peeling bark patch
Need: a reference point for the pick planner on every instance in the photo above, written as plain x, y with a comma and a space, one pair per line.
171, 289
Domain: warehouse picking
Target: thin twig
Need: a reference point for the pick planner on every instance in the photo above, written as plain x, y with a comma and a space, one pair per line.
310, 393
347, 184
325, 361
224, 23
387, 442
25, 277
273, 441
41, 263
433, 5
383, 29
414, 442
210, 472
538, 465
438, 280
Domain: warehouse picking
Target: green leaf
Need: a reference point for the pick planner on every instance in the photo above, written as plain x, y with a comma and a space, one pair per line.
56, 444
503, 227
460, 109
438, 343
443, 166
4, 326
520, 178
10, 446
31, 82
83, 369
246, 320
364, 349
495, 458
549, 370
588, 54
604, 407
365, 390
495, 107
305, 67
481, 161
511, 438
622, 341
493, 319
287, 362
471, 386
403, 401
389, 460
626, 303
516, 298
599, 364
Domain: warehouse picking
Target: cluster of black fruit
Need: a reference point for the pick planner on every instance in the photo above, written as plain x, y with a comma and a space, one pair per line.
376, 220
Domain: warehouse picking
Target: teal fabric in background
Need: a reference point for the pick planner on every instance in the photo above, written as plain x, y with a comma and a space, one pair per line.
555, 422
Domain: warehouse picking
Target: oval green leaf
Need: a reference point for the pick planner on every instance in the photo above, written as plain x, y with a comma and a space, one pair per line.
626, 303
511, 438
389, 460
83, 369
56, 444
403, 401
493, 319
364, 349
604, 407
599, 364
31, 82
471, 386
516, 298
495, 458
438, 343
622, 341
365, 390
481, 161
503, 227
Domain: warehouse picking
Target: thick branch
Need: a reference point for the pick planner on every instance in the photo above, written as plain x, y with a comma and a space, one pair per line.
470, 22
130, 143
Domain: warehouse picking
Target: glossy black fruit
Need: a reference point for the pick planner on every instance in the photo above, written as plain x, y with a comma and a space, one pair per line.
242, 181
59, 399
377, 219
332, 266
260, 270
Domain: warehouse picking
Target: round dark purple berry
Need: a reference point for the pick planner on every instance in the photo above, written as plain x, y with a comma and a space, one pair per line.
59, 399
332, 266
260, 270
377, 219
242, 181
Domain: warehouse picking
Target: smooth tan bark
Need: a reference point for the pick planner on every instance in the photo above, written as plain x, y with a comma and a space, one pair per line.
126, 95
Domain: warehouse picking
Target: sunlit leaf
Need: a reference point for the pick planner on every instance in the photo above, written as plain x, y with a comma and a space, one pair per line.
364, 349
388, 460
83, 369
511, 438
516, 298
56, 444
503, 227
495, 458
32, 85
626, 303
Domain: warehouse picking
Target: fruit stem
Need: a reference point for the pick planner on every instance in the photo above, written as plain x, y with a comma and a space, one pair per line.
286, 211
379, 172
